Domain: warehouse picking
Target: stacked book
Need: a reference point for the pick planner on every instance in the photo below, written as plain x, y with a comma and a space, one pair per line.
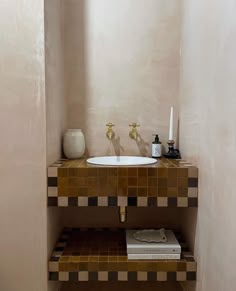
152, 245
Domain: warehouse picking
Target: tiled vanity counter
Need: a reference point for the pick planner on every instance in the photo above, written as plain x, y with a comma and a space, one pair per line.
100, 255
168, 183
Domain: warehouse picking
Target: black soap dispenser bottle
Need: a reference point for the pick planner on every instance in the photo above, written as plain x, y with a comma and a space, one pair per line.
156, 147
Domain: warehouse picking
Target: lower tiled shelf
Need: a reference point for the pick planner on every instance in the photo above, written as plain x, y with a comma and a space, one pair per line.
100, 255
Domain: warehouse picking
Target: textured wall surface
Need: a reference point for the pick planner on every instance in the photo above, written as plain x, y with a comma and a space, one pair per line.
207, 135
123, 67
23, 212
55, 104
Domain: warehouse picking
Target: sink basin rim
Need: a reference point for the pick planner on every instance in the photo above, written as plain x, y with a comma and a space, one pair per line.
121, 161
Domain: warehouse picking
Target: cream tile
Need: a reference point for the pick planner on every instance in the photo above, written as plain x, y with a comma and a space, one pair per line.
142, 276
123, 276
53, 266
181, 276
142, 201
182, 202
63, 201
52, 192
161, 276
162, 201
102, 276
83, 276
63, 276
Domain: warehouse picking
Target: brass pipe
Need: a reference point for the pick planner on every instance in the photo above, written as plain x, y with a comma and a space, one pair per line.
123, 214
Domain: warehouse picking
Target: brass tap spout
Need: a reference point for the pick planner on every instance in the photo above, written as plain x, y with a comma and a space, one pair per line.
133, 133
110, 133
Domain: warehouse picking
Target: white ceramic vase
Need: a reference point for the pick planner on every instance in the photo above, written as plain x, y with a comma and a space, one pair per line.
73, 143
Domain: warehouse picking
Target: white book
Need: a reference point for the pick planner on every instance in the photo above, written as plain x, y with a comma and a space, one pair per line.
153, 256
134, 246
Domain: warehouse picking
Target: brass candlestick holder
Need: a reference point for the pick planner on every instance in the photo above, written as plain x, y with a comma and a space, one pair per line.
172, 153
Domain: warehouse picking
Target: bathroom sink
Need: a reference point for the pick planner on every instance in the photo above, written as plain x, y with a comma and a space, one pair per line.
121, 161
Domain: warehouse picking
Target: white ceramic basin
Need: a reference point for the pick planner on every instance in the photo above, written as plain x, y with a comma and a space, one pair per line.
121, 161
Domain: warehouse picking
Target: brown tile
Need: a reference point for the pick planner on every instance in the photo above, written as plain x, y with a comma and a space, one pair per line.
142, 191
162, 172
103, 258
132, 191
63, 267
122, 182
182, 192
82, 172
73, 182
122, 172
83, 192
132, 266
62, 191
142, 266
93, 266
183, 182
152, 182
172, 182
62, 182
122, 191
64, 259
142, 172
112, 182
92, 172
169, 266
122, 258
62, 172
172, 192
103, 266
102, 172
84, 258
83, 266
182, 172
72, 192
132, 172
73, 267
92, 181
142, 181
152, 172
172, 172
162, 182
123, 266
181, 266
92, 191
112, 259
113, 266
83, 182
72, 172
162, 192
132, 181
113, 172
152, 191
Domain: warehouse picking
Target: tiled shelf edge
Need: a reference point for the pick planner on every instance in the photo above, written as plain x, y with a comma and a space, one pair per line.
66, 264
169, 184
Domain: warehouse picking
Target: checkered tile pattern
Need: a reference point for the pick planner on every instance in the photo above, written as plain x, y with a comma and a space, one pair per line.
81, 255
168, 184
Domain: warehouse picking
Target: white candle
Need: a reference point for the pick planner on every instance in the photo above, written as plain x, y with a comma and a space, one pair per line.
171, 124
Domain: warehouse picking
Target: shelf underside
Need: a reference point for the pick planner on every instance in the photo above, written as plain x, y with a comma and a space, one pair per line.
100, 255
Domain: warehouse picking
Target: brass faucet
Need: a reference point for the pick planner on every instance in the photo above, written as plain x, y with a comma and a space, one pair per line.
110, 133
133, 133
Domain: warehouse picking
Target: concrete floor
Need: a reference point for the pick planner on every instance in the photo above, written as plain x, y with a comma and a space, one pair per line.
121, 286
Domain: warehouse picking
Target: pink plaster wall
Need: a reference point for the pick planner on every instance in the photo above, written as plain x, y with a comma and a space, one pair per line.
23, 212
55, 105
121, 66
208, 137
